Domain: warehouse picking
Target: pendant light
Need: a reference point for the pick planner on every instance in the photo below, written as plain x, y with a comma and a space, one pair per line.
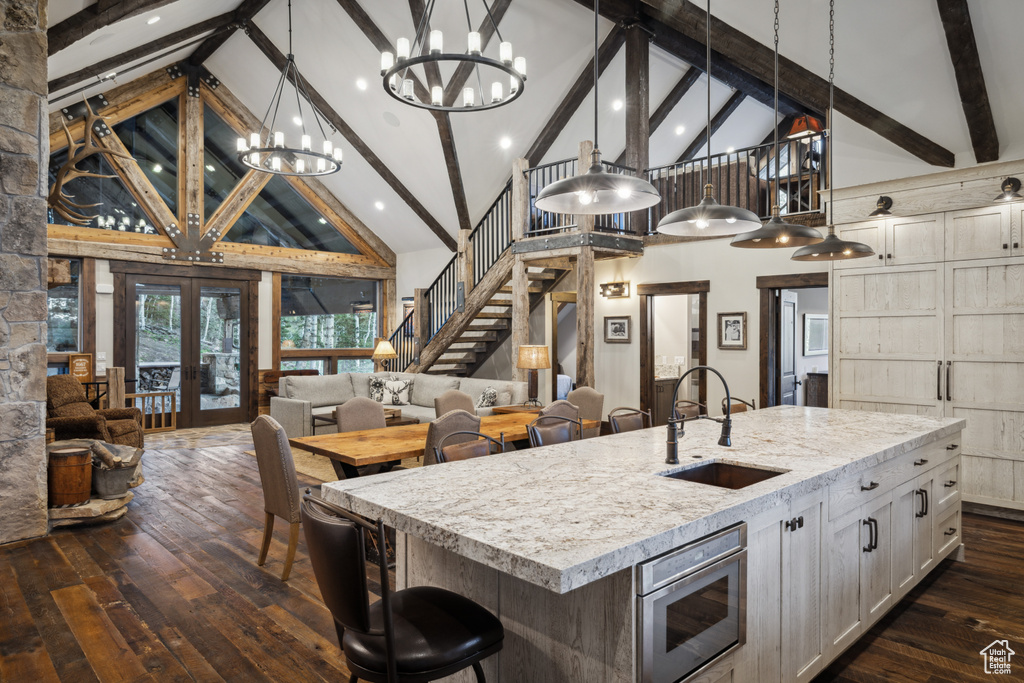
395, 66
271, 154
777, 233
1010, 191
832, 248
709, 218
804, 127
597, 191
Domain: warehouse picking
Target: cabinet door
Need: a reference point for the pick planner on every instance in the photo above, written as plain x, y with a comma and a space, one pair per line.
802, 640
904, 523
871, 233
847, 547
978, 233
924, 541
918, 239
876, 581
1017, 230
984, 374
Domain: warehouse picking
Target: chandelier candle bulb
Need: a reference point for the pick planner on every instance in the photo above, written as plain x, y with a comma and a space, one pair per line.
254, 140
300, 166
387, 60
520, 66
328, 147
278, 139
403, 49
241, 146
407, 89
436, 42
468, 97
307, 142
496, 92
474, 43
275, 163
337, 155
505, 52
436, 95
321, 165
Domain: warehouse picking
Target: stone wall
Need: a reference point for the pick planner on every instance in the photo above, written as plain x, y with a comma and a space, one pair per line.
24, 147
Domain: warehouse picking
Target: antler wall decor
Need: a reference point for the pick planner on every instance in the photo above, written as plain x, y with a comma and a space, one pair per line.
60, 201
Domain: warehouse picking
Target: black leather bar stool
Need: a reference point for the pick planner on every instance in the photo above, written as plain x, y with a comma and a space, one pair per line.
415, 635
464, 450
551, 429
629, 420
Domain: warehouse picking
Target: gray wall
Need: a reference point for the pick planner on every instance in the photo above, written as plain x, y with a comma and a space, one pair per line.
24, 142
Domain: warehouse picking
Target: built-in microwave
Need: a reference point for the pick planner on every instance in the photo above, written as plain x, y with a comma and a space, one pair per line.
691, 606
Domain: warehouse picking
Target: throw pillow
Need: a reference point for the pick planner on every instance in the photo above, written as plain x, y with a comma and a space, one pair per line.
488, 398
397, 391
377, 388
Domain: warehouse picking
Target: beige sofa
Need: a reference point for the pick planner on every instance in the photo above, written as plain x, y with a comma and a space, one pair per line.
301, 397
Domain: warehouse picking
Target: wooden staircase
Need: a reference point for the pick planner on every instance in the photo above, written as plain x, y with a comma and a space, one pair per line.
486, 331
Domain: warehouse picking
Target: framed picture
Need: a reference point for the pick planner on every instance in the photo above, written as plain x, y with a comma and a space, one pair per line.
815, 334
617, 329
80, 366
732, 331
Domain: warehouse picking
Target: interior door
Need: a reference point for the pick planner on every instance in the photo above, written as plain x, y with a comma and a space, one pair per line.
787, 350
188, 336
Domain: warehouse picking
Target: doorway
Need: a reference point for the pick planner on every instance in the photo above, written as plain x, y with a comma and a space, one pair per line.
673, 339
563, 343
794, 339
190, 336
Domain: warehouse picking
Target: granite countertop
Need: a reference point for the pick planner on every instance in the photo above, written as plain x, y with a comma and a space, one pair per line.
563, 516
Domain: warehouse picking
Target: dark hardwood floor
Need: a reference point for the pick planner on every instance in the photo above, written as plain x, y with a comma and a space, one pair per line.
171, 592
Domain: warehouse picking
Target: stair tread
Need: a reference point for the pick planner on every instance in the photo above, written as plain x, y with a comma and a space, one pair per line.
533, 289
496, 315
541, 276
496, 325
499, 302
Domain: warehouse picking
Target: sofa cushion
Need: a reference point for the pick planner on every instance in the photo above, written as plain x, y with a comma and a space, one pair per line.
507, 391
377, 383
397, 392
429, 387
361, 383
488, 398
319, 390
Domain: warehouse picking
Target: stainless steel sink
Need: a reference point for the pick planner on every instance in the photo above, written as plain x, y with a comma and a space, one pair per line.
724, 475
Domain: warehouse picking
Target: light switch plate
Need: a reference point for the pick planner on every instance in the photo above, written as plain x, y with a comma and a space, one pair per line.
104, 289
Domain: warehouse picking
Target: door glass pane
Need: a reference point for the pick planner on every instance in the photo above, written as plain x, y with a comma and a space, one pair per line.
220, 321
158, 338
62, 303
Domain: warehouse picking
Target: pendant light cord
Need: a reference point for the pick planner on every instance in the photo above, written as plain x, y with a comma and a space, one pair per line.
289, 28
777, 151
831, 110
597, 15
707, 70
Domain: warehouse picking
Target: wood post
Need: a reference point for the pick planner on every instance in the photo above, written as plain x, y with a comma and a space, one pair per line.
520, 312
638, 131
585, 316
466, 261
421, 318
190, 139
115, 388
391, 317
585, 223
520, 199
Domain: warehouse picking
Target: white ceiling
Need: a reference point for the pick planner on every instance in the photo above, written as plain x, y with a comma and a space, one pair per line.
892, 56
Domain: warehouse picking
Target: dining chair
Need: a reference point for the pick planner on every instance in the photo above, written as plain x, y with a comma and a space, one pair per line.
483, 445
551, 429
590, 404
410, 636
280, 486
739, 405
562, 408
448, 424
359, 413
453, 399
688, 409
629, 420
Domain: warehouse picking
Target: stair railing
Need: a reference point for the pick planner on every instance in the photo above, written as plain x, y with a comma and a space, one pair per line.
491, 236
404, 342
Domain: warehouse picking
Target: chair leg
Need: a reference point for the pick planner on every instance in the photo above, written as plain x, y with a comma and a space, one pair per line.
479, 671
268, 532
293, 542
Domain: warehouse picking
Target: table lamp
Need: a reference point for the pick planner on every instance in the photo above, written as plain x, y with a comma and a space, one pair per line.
533, 358
384, 351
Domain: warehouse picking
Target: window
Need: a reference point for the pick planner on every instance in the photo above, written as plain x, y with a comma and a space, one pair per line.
63, 312
222, 169
117, 208
328, 313
354, 365
152, 139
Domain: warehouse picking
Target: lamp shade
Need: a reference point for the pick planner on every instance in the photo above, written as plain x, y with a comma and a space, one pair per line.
777, 234
1010, 191
597, 192
384, 351
709, 219
833, 249
533, 358
805, 126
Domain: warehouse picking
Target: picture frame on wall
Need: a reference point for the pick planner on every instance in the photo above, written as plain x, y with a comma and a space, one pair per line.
618, 329
732, 331
815, 334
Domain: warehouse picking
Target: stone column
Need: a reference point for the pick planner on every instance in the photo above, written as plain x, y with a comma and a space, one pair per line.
24, 151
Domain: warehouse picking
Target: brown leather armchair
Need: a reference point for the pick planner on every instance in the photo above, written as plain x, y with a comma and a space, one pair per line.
71, 416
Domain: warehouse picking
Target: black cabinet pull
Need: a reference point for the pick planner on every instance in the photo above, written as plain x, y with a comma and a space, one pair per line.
924, 503
881, 257
922, 461
871, 535
1005, 245
800, 521
888, 256
950, 484
872, 487
874, 525
952, 447
952, 530
949, 381
938, 378
790, 524
1016, 245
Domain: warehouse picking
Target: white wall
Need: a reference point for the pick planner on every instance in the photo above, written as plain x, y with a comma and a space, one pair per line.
811, 300
418, 269
105, 313
266, 326
732, 273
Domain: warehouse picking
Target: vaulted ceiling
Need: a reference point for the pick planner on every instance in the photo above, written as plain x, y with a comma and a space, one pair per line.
893, 66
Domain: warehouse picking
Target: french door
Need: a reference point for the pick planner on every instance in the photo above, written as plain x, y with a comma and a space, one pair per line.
190, 336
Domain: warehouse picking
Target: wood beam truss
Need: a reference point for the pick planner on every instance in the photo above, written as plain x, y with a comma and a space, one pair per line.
94, 18
716, 122
241, 17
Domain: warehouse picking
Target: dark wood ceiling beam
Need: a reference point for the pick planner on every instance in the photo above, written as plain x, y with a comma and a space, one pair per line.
276, 57
116, 62
577, 93
796, 82
670, 102
970, 78
94, 18
716, 122
243, 14
638, 99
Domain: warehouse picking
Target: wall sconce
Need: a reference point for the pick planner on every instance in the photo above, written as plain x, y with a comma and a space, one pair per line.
615, 290
882, 207
1011, 191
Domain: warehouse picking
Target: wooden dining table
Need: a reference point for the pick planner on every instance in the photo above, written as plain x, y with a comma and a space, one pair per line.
389, 445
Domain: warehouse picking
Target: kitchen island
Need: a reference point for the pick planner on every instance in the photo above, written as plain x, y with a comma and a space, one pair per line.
549, 538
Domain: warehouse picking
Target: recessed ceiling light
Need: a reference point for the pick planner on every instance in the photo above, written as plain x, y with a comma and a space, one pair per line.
209, 167
110, 75
505, 142
680, 130
322, 221
361, 83
297, 120
152, 20
730, 150
379, 205
617, 105
157, 168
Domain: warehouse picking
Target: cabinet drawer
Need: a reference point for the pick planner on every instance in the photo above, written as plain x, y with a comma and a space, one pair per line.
947, 485
947, 532
851, 492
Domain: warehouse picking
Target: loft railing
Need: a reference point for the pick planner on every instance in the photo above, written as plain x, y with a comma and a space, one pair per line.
444, 297
745, 178
492, 235
404, 342
542, 222
618, 223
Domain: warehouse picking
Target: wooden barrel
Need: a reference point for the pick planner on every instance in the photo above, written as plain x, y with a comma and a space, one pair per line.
51, 435
69, 476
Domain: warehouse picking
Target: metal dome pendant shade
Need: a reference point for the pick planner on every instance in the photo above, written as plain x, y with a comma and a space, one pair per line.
832, 248
709, 218
270, 154
777, 233
597, 191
